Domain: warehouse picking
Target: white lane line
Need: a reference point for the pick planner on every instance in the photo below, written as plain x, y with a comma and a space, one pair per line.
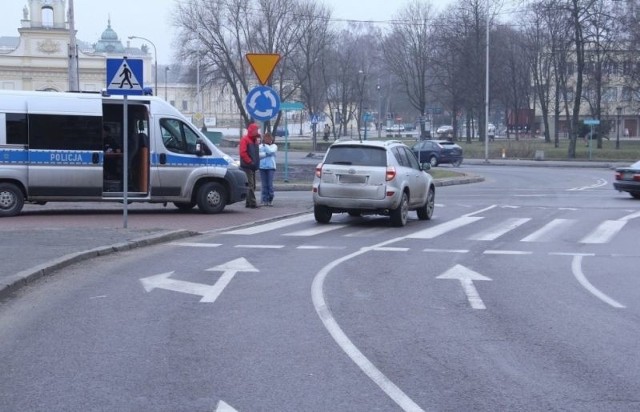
500, 229
604, 232
432, 232
366, 232
270, 226
544, 232
260, 246
446, 250
570, 254
391, 249
332, 326
317, 230
313, 247
631, 216
195, 244
507, 252
599, 183
576, 267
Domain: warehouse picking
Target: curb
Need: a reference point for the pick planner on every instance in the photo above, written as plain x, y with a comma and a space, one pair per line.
25, 277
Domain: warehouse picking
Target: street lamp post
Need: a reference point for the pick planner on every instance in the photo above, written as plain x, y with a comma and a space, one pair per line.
361, 115
155, 57
619, 112
166, 75
379, 110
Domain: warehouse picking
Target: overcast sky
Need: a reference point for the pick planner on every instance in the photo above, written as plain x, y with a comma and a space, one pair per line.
152, 18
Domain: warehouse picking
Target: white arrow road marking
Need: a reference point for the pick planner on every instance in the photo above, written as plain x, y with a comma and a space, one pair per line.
229, 270
224, 407
209, 293
466, 277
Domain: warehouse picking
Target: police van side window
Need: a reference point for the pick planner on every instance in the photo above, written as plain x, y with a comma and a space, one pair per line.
178, 137
65, 132
16, 124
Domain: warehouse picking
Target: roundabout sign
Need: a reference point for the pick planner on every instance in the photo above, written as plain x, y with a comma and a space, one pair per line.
263, 103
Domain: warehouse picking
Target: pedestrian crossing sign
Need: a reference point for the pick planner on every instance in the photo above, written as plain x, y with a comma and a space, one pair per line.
125, 76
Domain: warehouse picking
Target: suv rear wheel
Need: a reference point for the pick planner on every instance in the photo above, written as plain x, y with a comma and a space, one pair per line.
322, 214
399, 215
425, 212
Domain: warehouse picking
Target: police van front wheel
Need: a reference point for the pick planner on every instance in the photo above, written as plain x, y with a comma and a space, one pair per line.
212, 198
11, 200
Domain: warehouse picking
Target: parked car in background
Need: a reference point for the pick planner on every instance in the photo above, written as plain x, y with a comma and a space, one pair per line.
628, 180
280, 131
372, 177
444, 129
395, 128
437, 152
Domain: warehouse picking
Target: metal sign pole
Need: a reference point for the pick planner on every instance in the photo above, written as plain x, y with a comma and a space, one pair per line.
125, 162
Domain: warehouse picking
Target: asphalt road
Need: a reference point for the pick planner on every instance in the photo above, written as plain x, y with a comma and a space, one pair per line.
355, 315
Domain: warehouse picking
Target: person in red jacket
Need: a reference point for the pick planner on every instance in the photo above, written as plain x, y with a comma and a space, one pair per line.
250, 161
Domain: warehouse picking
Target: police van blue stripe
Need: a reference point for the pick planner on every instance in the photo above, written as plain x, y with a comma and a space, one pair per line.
13, 156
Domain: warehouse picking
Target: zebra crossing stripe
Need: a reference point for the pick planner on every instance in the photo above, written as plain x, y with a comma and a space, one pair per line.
442, 228
495, 232
605, 231
269, 226
545, 231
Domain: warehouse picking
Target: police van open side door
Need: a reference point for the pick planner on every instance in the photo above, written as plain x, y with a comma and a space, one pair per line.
65, 147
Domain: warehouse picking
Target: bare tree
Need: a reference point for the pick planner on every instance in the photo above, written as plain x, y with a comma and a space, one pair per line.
308, 63
408, 54
220, 33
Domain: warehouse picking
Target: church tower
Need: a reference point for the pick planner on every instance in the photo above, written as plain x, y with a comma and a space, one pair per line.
47, 14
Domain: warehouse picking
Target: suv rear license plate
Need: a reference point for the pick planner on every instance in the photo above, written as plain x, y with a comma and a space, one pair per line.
353, 179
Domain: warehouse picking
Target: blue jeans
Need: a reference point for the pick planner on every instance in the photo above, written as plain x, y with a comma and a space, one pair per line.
266, 183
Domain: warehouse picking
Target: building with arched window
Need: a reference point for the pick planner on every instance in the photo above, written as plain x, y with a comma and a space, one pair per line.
38, 59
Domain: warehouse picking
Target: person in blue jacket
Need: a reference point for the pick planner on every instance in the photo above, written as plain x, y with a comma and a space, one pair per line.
267, 150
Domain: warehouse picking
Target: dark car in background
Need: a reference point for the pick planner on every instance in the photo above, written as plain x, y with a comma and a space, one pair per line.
628, 180
438, 152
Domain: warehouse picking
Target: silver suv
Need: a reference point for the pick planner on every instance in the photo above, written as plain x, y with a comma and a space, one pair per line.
372, 177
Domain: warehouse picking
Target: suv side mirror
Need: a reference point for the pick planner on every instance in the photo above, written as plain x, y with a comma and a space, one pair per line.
425, 166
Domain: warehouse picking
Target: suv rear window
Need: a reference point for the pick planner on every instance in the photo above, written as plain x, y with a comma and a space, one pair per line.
357, 156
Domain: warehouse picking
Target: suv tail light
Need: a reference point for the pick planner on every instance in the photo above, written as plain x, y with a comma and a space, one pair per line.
391, 173
319, 170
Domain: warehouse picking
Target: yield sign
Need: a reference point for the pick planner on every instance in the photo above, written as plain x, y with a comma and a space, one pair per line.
263, 65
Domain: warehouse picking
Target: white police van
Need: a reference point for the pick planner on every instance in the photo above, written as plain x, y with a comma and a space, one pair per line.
69, 147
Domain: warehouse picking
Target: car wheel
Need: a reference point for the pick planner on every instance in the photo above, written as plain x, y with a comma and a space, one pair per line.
212, 198
433, 161
399, 215
11, 200
322, 214
184, 206
457, 163
425, 212
635, 195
